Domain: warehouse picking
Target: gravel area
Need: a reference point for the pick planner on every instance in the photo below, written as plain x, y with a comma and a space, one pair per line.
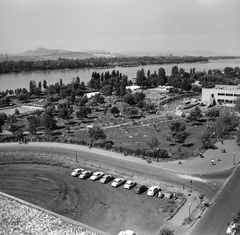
17, 218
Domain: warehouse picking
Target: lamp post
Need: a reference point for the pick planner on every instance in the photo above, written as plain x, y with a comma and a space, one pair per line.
189, 212
76, 154
234, 158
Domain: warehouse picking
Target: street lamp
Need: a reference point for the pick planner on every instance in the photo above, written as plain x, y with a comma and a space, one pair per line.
234, 158
189, 210
76, 154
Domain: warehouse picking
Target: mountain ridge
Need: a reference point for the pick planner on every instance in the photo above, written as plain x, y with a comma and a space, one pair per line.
42, 53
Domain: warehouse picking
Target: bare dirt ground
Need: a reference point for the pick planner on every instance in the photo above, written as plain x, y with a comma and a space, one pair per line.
101, 206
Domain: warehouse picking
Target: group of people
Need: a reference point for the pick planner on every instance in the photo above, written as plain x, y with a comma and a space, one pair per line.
213, 162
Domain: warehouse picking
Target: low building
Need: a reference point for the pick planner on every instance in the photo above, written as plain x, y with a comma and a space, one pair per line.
91, 94
164, 89
222, 94
133, 87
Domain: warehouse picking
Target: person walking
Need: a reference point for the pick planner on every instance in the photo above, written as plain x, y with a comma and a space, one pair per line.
212, 162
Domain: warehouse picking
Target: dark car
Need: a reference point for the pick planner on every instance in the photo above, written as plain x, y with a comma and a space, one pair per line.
141, 189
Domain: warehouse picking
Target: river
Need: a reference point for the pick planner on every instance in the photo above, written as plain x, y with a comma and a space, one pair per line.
21, 80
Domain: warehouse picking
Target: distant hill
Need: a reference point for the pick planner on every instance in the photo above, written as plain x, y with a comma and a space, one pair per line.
43, 51
174, 53
54, 54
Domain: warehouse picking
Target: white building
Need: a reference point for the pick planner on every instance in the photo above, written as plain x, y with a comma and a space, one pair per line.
91, 94
223, 94
133, 87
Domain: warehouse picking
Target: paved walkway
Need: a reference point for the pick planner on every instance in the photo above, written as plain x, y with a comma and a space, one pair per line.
196, 165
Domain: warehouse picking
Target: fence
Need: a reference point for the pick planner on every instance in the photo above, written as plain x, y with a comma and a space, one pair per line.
75, 158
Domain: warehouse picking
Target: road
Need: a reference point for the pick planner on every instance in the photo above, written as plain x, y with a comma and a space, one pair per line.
215, 219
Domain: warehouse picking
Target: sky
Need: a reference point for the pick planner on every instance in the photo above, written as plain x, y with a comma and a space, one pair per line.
120, 25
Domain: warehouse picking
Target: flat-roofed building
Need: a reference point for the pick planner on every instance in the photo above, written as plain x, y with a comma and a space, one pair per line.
222, 94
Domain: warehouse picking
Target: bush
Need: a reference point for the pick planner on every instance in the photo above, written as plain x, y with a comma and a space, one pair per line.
108, 145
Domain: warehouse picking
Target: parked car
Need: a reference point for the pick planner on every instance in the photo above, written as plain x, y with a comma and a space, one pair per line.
152, 191
129, 184
106, 178
141, 189
231, 229
118, 182
77, 172
97, 175
85, 174
160, 195
127, 232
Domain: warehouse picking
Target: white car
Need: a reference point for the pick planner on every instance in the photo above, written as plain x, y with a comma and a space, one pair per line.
127, 232
129, 184
117, 182
77, 172
106, 178
152, 191
97, 175
85, 174
230, 229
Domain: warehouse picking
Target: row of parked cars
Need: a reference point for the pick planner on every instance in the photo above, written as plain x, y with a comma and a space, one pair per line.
116, 182
104, 179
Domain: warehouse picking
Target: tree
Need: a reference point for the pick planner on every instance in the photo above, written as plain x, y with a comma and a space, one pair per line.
3, 117
96, 133
123, 85
99, 98
186, 84
83, 112
141, 78
226, 122
178, 130
16, 112
16, 130
205, 139
33, 122
195, 114
131, 111
63, 113
128, 98
174, 70
45, 84
212, 113
166, 231
237, 104
115, 111
48, 121
138, 96
162, 76
153, 142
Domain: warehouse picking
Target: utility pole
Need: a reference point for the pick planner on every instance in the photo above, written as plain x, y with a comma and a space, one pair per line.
189, 212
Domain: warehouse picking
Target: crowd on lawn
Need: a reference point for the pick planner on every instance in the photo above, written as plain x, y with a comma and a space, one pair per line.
17, 218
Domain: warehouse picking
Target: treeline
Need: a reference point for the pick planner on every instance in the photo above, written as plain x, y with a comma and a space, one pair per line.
179, 78
61, 63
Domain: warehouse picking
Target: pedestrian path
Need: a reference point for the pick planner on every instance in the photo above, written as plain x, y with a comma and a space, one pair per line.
198, 165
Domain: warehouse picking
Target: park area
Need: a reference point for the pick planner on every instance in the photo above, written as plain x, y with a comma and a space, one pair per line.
168, 133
